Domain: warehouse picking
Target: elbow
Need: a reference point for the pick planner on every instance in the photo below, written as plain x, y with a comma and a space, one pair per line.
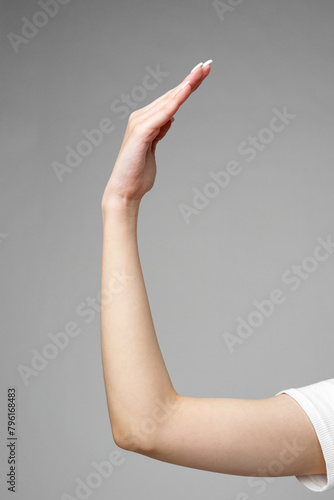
146, 434
125, 440
131, 440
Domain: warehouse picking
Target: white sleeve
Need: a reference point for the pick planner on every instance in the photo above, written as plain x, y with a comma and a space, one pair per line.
317, 400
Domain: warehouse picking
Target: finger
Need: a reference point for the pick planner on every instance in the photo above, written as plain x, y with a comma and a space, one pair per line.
163, 131
161, 101
156, 101
164, 96
149, 128
184, 90
205, 72
163, 109
195, 81
202, 71
195, 78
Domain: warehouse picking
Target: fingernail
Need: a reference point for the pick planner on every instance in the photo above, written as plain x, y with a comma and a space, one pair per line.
197, 66
172, 119
207, 62
185, 85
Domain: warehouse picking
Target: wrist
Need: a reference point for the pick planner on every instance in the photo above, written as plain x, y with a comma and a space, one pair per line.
119, 208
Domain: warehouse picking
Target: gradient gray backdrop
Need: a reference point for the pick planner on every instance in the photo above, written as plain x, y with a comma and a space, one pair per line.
200, 276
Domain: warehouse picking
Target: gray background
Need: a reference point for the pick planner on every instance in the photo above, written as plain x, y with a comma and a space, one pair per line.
200, 276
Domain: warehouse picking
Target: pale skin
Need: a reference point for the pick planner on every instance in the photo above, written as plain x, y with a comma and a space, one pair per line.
246, 437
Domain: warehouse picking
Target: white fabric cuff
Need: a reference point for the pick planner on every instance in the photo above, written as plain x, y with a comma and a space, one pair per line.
317, 400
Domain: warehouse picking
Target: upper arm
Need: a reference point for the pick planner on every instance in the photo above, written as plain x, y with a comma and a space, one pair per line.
266, 437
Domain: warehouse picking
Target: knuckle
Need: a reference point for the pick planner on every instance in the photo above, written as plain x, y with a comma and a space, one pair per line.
134, 120
133, 116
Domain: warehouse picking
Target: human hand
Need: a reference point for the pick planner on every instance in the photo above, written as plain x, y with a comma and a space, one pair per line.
135, 168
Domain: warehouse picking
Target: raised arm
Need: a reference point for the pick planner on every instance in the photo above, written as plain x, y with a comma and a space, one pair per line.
147, 415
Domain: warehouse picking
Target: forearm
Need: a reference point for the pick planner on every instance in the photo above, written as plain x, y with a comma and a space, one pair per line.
135, 375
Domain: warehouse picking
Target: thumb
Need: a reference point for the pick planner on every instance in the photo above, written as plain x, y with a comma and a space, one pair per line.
163, 131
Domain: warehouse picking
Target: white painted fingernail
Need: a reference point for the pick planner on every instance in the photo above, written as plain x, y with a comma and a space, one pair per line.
197, 66
207, 62
185, 85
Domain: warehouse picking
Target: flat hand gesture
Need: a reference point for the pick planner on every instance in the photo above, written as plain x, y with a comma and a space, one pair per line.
135, 168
